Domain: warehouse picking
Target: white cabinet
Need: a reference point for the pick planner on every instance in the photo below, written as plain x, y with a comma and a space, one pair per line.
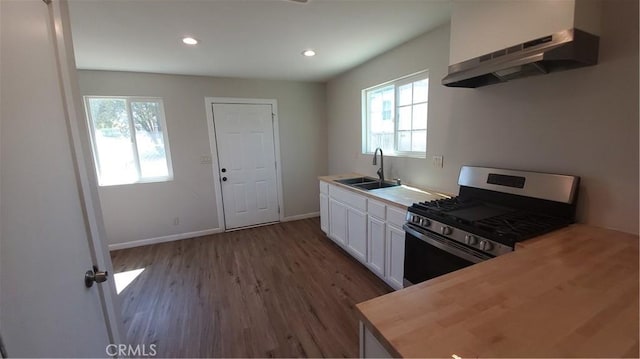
394, 271
357, 234
337, 222
348, 221
396, 216
395, 257
370, 230
370, 347
324, 207
324, 213
377, 246
376, 227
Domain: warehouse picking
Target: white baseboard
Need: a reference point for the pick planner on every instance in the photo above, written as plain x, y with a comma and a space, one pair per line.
301, 216
169, 238
179, 236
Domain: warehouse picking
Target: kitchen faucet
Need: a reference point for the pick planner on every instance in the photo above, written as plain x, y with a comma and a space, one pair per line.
375, 162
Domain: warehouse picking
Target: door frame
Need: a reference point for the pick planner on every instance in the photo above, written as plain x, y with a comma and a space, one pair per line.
209, 102
86, 177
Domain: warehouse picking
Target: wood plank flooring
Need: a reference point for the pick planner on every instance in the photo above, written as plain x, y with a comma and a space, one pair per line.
283, 290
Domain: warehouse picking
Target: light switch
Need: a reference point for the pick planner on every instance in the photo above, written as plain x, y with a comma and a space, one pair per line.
205, 160
437, 161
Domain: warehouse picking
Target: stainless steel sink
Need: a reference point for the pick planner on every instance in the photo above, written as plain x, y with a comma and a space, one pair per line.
374, 185
366, 183
357, 180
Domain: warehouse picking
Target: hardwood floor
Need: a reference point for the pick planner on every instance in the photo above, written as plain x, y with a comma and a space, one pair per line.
283, 290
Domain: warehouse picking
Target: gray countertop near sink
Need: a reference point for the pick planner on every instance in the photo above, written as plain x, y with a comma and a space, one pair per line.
403, 195
406, 195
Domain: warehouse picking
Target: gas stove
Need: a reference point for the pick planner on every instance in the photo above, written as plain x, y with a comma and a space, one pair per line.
496, 208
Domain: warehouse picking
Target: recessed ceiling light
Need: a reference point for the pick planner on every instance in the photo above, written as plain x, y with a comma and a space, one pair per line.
308, 53
189, 40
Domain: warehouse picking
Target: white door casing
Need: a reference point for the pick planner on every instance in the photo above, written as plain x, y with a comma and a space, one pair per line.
245, 142
51, 227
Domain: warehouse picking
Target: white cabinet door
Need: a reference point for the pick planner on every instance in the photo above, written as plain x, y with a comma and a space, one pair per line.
324, 213
357, 234
376, 245
370, 347
395, 257
337, 222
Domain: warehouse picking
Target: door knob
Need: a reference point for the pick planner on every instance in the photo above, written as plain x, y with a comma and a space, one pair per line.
224, 179
94, 275
224, 170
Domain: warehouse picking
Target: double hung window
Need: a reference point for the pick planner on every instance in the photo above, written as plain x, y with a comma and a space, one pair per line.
129, 139
395, 116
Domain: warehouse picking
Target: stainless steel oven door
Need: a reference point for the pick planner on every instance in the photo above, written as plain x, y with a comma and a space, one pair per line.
428, 255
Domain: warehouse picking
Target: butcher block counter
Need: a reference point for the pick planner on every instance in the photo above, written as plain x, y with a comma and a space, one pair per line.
569, 293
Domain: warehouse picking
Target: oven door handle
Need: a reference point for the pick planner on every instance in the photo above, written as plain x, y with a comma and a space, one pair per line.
459, 252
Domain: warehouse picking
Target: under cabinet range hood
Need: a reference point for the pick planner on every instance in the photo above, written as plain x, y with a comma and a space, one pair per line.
559, 51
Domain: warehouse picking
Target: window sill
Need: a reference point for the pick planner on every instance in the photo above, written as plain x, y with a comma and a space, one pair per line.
400, 155
142, 181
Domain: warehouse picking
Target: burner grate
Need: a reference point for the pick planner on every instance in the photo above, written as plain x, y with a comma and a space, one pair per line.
502, 224
445, 204
520, 225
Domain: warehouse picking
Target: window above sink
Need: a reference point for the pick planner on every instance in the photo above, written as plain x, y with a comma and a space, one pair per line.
394, 116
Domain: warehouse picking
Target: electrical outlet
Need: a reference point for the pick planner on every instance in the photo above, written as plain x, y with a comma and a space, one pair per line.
176, 221
436, 161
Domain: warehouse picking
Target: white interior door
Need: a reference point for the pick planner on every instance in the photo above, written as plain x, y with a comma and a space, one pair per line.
247, 163
46, 309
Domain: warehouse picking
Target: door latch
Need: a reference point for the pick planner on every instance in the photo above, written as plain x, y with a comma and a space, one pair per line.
94, 275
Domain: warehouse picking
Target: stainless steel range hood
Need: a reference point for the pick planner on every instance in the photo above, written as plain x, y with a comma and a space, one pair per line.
562, 50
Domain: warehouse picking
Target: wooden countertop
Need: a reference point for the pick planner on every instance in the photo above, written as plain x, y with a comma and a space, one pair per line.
402, 196
569, 293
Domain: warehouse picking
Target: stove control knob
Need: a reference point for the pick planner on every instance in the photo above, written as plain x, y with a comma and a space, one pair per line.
425, 222
470, 240
416, 220
486, 245
445, 230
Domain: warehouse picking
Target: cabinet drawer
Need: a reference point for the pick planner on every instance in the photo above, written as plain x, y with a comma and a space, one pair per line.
396, 216
349, 198
324, 187
376, 209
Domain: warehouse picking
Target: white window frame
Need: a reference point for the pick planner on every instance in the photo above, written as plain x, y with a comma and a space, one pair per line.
134, 144
421, 75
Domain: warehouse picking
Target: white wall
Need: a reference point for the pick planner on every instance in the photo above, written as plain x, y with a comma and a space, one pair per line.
144, 211
478, 27
582, 122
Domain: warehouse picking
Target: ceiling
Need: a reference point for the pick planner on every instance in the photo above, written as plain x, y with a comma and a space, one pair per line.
245, 38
